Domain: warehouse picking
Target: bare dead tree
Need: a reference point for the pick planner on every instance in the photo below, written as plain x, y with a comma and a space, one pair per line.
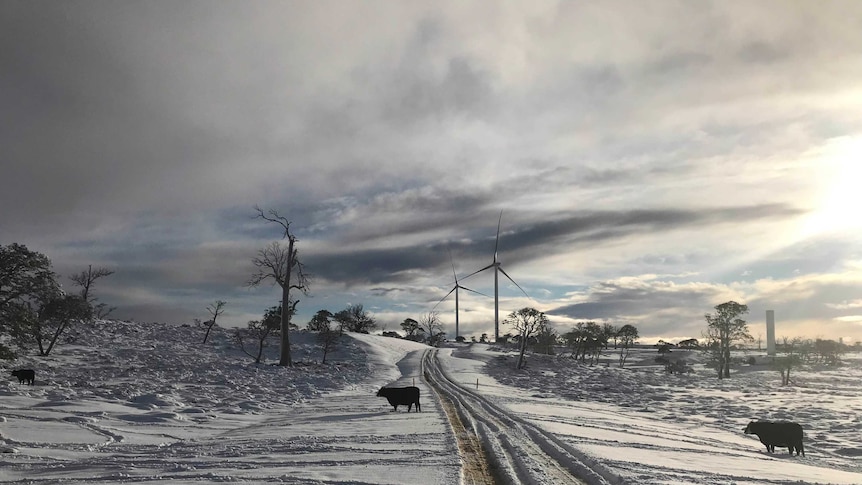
282, 265
789, 361
86, 279
255, 337
256, 332
215, 309
432, 326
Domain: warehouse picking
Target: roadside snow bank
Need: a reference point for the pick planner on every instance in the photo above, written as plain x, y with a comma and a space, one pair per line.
386, 360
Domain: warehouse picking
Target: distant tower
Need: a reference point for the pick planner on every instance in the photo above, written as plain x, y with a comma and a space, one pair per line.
770, 332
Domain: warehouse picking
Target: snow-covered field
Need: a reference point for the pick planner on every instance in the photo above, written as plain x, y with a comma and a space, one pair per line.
134, 403
651, 427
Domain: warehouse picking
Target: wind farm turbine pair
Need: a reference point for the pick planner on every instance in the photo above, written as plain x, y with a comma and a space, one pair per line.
495, 264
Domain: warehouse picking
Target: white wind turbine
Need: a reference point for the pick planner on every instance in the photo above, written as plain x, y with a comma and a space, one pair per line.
497, 269
455, 289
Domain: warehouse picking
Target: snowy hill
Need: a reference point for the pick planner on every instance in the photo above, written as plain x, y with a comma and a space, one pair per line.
134, 403
135, 362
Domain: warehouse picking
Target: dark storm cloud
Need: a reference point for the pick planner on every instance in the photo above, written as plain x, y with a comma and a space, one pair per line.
584, 226
528, 240
413, 211
614, 301
376, 265
424, 210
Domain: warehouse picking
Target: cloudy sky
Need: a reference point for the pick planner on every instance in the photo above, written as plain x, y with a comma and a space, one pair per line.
651, 159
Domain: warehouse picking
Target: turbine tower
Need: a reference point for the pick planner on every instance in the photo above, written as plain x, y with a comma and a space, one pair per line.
497, 270
455, 289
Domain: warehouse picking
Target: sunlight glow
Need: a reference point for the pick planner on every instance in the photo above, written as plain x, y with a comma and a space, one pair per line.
838, 207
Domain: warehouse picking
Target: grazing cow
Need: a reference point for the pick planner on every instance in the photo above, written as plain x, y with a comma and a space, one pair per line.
401, 395
28, 375
778, 433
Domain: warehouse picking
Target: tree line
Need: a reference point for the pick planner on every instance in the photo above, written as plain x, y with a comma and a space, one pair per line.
583, 343
328, 327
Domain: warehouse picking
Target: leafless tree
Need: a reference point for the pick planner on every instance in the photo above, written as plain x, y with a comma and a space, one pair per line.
527, 322
258, 332
282, 265
86, 279
432, 326
789, 360
215, 309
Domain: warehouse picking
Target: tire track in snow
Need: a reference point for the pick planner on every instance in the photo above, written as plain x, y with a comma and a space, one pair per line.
476, 469
517, 451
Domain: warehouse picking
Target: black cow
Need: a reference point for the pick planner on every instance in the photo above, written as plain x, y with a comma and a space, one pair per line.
28, 375
778, 433
401, 395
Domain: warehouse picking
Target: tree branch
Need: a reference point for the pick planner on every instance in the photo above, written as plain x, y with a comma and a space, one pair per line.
276, 218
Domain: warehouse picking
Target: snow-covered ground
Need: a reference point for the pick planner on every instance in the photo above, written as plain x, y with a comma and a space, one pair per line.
650, 427
132, 402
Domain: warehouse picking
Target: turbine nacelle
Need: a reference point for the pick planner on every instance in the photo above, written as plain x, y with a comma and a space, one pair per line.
497, 269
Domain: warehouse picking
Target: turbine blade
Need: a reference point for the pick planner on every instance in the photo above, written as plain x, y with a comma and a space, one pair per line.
453, 267
497, 242
441, 299
516, 284
474, 291
478, 271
